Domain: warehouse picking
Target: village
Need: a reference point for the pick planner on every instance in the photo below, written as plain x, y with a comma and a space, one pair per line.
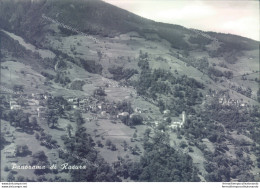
36, 104
93, 110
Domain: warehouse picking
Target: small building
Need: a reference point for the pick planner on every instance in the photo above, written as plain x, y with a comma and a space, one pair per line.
156, 123
82, 105
47, 96
23, 95
243, 105
12, 103
33, 102
166, 112
138, 110
37, 96
74, 102
104, 113
10, 153
123, 114
93, 107
176, 124
15, 107
41, 112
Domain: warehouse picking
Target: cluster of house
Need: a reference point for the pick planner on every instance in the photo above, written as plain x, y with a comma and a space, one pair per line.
102, 108
85, 104
98, 109
225, 100
176, 123
140, 110
31, 100
14, 105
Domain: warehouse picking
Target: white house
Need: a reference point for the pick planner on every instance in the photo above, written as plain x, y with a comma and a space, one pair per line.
12, 103
123, 114
15, 107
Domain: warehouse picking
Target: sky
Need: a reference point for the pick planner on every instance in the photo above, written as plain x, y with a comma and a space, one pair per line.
240, 17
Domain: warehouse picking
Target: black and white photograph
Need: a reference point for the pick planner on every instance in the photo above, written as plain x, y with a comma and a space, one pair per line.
129, 91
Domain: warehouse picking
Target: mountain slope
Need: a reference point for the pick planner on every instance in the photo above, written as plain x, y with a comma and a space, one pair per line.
94, 17
119, 93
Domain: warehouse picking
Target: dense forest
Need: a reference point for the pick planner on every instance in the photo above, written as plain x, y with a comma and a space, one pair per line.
160, 162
